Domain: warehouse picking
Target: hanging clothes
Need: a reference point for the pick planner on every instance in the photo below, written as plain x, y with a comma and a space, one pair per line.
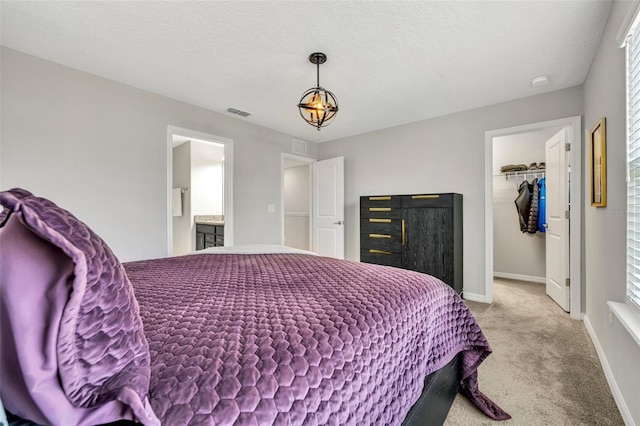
523, 203
542, 205
532, 222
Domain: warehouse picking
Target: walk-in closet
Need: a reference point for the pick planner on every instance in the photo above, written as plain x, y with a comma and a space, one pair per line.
519, 188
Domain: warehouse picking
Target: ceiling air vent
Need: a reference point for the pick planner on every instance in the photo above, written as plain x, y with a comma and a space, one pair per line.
238, 112
299, 147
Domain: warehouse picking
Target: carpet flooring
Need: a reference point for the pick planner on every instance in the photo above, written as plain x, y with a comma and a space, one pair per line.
543, 370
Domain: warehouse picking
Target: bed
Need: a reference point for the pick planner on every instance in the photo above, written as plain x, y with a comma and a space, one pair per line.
221, 338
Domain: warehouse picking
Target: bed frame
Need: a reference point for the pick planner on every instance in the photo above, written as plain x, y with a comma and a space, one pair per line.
440, 389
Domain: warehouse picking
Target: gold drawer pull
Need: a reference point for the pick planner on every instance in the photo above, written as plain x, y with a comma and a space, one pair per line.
418, 197
402, 231
379, 198
379, 236
374, 251
380, 220
379, 209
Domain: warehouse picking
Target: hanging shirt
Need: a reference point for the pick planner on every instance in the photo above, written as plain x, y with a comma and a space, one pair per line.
532, 222
523, 203
542, 205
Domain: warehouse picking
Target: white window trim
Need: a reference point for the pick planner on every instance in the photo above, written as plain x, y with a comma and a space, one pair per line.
629, 29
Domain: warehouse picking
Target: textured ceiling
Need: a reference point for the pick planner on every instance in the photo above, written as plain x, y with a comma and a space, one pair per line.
389, 62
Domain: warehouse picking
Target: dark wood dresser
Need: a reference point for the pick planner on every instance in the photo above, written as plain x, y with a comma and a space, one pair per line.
420, 232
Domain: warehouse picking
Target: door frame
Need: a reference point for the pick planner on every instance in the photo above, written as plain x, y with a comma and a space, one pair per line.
303, 160
574, 137
227, 176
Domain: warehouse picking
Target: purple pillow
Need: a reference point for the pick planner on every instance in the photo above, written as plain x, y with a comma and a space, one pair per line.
82, 323
17, 193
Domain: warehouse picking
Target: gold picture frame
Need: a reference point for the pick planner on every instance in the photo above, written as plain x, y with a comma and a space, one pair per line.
598, 164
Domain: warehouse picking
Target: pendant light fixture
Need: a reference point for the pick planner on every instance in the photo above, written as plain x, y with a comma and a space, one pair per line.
318, 106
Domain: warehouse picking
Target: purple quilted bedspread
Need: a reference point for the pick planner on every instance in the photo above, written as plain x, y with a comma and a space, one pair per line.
298, 339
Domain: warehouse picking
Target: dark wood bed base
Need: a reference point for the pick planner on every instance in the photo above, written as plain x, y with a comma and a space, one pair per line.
440, 389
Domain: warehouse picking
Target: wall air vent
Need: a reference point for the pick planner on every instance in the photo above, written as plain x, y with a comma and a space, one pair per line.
299, 147
238, 112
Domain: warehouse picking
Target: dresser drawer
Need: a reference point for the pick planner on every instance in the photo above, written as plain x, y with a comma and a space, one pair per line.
381, 212
427, 200
209, 239
384, 242
381, 226
380, 201
380, 258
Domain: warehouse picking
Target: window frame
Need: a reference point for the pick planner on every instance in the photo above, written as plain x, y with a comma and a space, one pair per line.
629, 39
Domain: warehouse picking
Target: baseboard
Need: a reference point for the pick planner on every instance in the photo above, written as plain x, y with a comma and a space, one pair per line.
615, 390
519, 277
474, 297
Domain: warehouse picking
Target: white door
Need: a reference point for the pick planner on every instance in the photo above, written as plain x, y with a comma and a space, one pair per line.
557, 204
328, 207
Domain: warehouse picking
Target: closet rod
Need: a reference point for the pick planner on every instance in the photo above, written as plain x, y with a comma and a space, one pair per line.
522, 175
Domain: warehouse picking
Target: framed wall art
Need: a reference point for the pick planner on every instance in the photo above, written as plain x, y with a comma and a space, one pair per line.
598, 151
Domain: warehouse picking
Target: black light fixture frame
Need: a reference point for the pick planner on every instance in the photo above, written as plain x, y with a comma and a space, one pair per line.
327, 97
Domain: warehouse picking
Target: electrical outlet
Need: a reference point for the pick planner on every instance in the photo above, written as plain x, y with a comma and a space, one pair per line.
610, 317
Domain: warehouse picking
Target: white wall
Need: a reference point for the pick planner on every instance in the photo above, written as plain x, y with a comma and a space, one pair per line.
444, 154
296, 188
605, 228
514, 252
206, 178
99, 149
182, 179
296, 207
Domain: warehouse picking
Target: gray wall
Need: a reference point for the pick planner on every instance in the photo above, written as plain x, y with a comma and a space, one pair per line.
605, 97
605, 228
444, 154
516, 254
99, 149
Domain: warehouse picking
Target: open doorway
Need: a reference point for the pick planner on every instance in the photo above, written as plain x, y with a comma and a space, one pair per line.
296, 201
505, 141
314, 191
199, 187
519, 247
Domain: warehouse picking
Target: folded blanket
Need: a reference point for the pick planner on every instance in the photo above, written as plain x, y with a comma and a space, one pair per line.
513, 168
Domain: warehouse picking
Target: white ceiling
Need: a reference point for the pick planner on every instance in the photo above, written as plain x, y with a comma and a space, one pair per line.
389, 62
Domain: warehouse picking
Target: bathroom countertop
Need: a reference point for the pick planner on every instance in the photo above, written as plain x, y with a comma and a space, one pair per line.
215, 219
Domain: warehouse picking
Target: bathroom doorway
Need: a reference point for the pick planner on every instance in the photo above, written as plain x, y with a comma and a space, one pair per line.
199, 170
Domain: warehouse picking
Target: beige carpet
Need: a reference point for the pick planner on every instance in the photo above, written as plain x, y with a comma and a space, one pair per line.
543, 370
